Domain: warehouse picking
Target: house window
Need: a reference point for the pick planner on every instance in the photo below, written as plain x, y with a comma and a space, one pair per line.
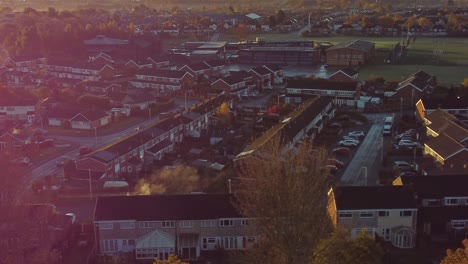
245, 222
345, 214
229, 242
366, 214
168, 224
129, 169
451, 201
458, 224
146, 224
127, 225
109, 246
208, 242
186, 223
386, 233
2, 145
383, 213
103, 226
226, 222
208, 223
406, 213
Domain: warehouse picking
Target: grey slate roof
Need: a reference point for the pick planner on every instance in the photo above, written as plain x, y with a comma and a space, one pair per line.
165, 207
437, 187
374, 197
321, 84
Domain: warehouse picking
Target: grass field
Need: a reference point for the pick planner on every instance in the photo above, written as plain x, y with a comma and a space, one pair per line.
450, 67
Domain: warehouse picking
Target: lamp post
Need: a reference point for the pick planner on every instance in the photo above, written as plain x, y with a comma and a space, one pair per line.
90, 185
95, 133
365, 175
401, 108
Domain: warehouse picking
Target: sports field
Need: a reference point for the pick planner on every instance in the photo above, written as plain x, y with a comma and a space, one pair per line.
450, 65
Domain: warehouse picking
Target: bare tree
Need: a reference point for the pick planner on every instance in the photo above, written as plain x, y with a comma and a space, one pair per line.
285, 192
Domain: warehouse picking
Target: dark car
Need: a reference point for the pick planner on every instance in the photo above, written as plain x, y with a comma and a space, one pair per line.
335, 162
341, 151
85, 150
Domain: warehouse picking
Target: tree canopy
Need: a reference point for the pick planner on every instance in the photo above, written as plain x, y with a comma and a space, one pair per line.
340, 248
285, 191
458, 256
173, 259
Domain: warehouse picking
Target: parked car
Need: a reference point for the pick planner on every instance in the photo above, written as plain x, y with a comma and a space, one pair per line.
335, 125
408, 173
407, 143
350, 138
356, 134
22, 161
335, 162
402, 166
85, 150
341, 151
348, 143
331, 168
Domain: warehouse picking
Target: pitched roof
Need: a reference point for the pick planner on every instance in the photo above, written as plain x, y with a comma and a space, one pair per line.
428, 187
103, 40
116, 96
162, 73
215, 63
200, 66
165, 207
260, 70
373, 197
354, 44
420, 80
443, 122
272, 67
232, 79
65, 113
89, 115
444, 145
321, 84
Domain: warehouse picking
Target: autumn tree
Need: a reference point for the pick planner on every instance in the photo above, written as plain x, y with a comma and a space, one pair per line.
285, 191
453, 21
173, 259
458, 256
425, 22
411, 21
223, 113
340, 248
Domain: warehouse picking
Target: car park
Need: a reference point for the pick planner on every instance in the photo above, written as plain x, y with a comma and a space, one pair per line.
348, 143
341, 151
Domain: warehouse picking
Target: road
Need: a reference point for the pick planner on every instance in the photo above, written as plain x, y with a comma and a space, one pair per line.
50, 166
364, 166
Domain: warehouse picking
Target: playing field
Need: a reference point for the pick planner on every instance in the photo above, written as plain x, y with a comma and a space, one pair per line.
446, 58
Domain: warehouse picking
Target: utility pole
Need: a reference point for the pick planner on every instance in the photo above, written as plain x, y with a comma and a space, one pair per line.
90, 185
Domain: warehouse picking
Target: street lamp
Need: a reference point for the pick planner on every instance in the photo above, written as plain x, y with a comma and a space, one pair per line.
365, 175
95, 133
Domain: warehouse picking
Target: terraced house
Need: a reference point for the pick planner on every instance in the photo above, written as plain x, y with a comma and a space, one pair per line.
386, 211
445, 150
191, 225
163, 80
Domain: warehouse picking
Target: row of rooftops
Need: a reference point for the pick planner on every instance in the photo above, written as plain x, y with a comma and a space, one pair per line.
292, 125
405, 194
132, 142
